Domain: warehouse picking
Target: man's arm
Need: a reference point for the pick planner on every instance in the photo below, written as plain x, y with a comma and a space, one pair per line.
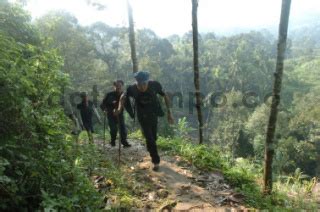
78, 115
121, 104
103, 104
122, 100
169, 114
160, 91
128, 107
96, 113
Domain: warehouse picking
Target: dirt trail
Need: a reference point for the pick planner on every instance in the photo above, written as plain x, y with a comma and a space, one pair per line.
177, 186
316, 193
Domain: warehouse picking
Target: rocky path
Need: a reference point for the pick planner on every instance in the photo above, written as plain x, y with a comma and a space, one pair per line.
177, 186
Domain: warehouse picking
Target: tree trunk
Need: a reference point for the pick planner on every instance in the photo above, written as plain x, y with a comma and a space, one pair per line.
132, 39
269, 145
196, 67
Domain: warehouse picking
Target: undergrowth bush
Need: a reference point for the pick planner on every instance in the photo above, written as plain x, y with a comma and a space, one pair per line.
37, 155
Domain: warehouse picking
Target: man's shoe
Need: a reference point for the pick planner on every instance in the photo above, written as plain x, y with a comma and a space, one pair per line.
156, 167
112, 144
126, 145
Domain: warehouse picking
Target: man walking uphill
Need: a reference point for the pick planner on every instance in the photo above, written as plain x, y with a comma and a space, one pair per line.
145, 92
110, 105
87, 109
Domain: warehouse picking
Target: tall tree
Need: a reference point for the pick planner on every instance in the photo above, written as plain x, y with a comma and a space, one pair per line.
132, 39
269, 146
196, 66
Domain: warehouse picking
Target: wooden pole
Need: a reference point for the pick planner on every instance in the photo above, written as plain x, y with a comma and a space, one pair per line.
104, 131
132, 39
196, 66
269, 144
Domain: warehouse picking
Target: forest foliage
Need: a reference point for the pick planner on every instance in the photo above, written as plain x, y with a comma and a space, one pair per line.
54, 56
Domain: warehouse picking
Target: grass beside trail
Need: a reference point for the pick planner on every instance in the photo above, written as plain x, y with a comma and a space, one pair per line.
240, 173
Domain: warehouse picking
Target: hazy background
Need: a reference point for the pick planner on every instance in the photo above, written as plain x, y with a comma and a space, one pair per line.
167, 17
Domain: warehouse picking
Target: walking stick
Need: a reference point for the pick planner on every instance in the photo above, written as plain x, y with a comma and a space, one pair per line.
104, 131
119, 128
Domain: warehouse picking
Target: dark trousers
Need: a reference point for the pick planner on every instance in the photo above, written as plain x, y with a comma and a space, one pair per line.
114, 125
149, 127
88, 126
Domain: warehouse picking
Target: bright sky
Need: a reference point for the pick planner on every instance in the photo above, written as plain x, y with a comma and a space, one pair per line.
167, 17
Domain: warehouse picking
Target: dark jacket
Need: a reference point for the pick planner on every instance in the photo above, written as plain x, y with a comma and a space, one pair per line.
111, 102
147, 103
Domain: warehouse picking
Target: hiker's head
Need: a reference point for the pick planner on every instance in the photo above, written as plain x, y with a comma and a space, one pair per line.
84, 96
118, 86
142, 78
